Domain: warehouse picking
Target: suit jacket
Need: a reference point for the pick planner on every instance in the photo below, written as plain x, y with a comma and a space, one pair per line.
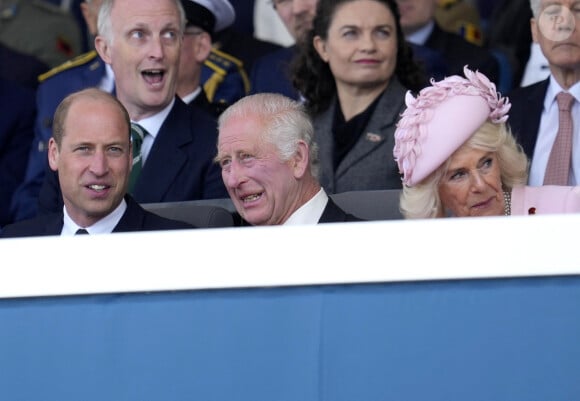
16, 133
179, 167
458, 52
82, 72
370, 164
526, 113
332, 213
271, 73
135, 218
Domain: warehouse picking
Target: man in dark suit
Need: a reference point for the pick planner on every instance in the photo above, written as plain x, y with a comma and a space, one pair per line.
85, 71
534, 115
420, 27
178, 143
269, 163
91, 151
271, 73
16, 133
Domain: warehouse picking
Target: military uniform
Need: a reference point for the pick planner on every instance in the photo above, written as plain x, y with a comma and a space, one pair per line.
82, 72
224, 78
41, 29
460, 17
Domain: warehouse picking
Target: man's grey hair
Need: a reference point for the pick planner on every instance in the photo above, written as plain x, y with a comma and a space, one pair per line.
105, 28
285, 122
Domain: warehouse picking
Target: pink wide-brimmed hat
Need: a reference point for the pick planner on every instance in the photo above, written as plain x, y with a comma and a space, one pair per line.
441, 119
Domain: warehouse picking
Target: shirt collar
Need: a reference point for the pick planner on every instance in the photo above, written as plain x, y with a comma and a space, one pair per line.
310, 212
420, 36
152, 124
554, 88
103, 226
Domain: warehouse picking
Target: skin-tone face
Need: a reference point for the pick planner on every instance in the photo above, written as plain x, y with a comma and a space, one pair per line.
561, 48
297, 15
361, 48
415, 14
472, 184
264, 189
90, 11
144, 54
93, 160
194, 51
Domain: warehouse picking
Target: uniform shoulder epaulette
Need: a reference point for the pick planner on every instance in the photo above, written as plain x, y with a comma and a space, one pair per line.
75, 62
221, 62
217, 55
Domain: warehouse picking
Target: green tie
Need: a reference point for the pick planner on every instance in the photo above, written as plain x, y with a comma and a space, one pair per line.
137, 135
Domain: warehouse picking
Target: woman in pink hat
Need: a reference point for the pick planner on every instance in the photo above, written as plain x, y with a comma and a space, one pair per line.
458, 157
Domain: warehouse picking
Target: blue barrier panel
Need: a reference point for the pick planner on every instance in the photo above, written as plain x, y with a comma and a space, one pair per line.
481, 339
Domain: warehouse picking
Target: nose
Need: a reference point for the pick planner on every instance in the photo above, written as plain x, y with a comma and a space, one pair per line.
99, 164
156, 49
368, 42
477, 181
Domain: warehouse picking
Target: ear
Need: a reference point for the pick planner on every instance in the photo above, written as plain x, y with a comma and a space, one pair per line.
534, 29
300, 160
320, 47
203, 47
102, 47
53, 154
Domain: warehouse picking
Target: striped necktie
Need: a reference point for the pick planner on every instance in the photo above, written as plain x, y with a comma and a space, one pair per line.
137, 135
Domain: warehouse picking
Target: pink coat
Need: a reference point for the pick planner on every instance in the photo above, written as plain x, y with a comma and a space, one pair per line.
548, 199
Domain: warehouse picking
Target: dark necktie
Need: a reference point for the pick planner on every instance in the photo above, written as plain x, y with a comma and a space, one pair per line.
81, 231
558, 167
137, 135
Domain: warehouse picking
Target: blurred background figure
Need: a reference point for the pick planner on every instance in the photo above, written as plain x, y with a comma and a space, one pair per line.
353, 70
41, 29
204, 18
271, 73
87, 70
421, 28
16, 133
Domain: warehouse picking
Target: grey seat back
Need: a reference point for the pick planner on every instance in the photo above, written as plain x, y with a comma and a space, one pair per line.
200, 215
370, 205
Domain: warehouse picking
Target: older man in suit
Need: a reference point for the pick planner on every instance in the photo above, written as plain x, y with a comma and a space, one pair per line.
534, 117
269, 163
91, 151
141, 41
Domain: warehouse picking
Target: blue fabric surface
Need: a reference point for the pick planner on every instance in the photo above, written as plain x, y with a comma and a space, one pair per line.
508, 339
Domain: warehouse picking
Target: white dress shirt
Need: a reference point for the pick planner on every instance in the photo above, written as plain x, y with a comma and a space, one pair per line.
310, 212
547, 135
103, 226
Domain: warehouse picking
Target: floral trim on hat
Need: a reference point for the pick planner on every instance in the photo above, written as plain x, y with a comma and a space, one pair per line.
419, 111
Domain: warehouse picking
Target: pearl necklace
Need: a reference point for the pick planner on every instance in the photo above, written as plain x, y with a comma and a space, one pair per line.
507, 203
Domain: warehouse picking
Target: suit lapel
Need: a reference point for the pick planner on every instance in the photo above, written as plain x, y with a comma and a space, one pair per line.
377, 132
531, 121
324, 139
165, 159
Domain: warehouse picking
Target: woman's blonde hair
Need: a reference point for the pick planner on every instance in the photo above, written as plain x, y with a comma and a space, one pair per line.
423, 201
